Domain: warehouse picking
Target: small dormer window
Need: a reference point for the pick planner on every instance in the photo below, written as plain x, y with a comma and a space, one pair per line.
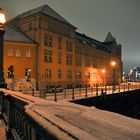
30, 26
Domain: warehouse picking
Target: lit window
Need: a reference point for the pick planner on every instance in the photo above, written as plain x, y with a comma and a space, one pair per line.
28, 53
18, 52
78, 75
88, 75
48, 73
94, 75
10, 52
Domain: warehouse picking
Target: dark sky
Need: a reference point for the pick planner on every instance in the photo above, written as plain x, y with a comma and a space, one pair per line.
95, 18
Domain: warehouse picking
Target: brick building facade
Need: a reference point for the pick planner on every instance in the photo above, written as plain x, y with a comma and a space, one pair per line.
42, 40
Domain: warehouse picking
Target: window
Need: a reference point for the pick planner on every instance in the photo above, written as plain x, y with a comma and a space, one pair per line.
87, 63
69, 59
48, 41
69, 46
79, 50
18, 52
69, 74
88, 75
30, 26
10, 52
78, 75
59, 58
48, 56
59, 42
94, 75
48, 73
78, 61
59, 74
94, 64
28, 53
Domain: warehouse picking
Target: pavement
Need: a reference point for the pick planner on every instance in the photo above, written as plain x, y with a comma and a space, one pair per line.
2, 130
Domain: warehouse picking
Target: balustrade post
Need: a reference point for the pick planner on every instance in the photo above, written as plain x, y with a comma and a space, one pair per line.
86, 91
33, 92
80, 91
96, 90
65, 93
119, 88
2, 98
72, 93
9, 116
55, 95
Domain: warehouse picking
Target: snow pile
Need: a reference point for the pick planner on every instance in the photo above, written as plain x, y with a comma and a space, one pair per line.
20, 84
69, 121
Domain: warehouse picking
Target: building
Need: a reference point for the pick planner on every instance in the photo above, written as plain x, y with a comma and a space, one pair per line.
134, 74
47, 44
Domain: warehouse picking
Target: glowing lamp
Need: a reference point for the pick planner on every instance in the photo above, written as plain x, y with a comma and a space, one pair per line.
2, 17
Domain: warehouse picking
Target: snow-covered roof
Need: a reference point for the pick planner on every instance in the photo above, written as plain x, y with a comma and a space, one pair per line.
68, 121
82, 38
12, 34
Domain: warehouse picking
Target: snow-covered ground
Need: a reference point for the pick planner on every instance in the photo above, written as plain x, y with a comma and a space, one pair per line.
70, 121
20, 84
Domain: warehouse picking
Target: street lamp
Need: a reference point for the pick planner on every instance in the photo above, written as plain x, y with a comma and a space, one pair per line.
113, 64
2, 21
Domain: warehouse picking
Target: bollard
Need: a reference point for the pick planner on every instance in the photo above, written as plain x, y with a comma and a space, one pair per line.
73, 93
33, 92
119, 88
103, 96
79, 91
55, 95
96, 90
65, 93
86, 91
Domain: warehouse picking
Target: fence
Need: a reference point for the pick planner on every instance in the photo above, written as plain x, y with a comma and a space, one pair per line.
84, 92
20, 126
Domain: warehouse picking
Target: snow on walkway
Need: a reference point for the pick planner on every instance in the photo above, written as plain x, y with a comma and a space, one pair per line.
2, 130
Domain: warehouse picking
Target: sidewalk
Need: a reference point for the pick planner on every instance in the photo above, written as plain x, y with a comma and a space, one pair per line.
2, 130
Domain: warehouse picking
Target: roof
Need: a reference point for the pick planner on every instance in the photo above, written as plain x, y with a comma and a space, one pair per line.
45, 9
14, 35
109, 38
82, 38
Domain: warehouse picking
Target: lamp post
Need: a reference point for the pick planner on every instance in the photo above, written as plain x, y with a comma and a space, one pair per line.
113, 64
103, 71
2, 21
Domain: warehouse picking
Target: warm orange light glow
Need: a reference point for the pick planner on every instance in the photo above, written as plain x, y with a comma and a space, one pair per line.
103, 70
2, 17
113, 63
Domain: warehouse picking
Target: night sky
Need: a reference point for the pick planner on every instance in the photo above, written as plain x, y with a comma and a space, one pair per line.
94, 18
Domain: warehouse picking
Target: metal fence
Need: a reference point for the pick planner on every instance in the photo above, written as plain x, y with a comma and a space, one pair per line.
83, 92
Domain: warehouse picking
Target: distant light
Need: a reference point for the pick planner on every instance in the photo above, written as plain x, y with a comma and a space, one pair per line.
113, 63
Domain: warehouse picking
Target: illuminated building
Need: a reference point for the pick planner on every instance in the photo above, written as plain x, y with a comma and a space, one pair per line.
56, 53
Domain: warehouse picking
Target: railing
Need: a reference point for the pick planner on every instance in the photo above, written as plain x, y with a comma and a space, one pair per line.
83, 92
20, 126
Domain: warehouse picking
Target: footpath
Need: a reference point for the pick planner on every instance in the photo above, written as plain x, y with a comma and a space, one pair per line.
2, 130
